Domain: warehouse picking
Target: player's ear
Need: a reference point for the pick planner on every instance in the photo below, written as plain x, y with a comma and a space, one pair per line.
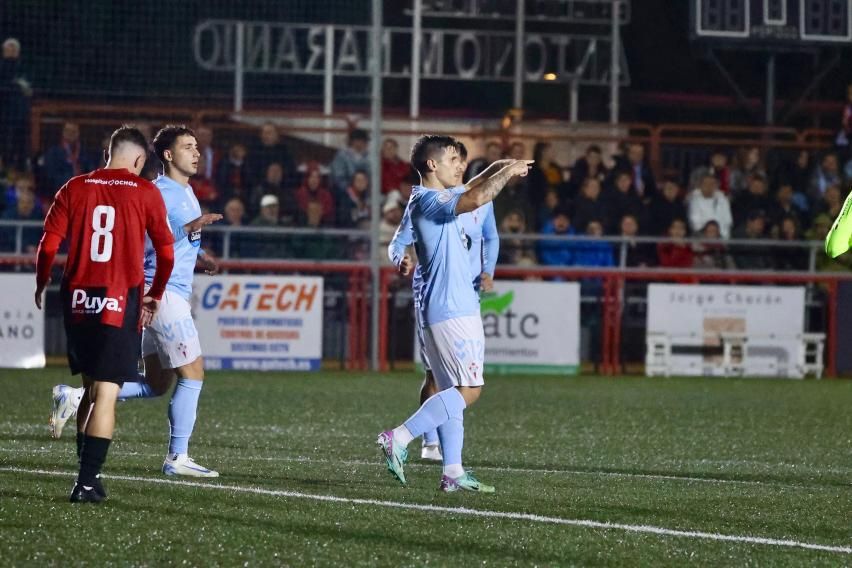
139, 162
167, 155
432, 165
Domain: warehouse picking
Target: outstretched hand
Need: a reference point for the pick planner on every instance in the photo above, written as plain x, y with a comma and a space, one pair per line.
203, 221
520, 167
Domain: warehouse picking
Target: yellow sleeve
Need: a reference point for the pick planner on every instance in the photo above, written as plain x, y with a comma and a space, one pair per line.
837, 240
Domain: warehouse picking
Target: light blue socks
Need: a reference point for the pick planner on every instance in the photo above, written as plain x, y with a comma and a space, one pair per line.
182, 412
137, 389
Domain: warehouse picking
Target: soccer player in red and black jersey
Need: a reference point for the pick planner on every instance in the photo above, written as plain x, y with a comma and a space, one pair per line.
104, 216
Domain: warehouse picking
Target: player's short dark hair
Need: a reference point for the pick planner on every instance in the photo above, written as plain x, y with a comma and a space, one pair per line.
126, 134
359, 134
462, 150
167, 136
426, 147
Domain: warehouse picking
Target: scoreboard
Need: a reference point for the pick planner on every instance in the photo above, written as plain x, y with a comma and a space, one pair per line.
772, 23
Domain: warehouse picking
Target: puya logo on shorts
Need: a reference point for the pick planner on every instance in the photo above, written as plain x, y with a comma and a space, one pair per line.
82, 303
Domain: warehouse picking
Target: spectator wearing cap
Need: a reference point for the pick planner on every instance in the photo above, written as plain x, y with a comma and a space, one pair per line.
270, 245
348, 160
707, 203
752, 257
557, 253
394, 168
275, 183
315, 200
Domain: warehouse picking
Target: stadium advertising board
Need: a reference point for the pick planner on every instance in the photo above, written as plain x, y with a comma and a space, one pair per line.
21, 324
695, 316
259, 323
531, 327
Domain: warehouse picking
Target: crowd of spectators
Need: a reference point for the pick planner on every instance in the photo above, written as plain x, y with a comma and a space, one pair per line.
260, 183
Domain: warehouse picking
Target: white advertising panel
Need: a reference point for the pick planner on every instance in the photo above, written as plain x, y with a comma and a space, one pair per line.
262, 323
695, 316
21, 323
531, 327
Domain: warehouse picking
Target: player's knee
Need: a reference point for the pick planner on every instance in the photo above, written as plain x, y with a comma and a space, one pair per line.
161, 382
470, 394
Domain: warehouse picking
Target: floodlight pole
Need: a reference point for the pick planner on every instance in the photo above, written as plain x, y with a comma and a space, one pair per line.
770, 90
518, 99
416, 54
615, 62
376, 174
239, 60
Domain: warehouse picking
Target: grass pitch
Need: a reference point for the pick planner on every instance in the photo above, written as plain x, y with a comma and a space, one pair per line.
589, 471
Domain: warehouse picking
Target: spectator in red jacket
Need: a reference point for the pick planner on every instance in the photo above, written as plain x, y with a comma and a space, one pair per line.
394, 168
677, 254
315, 200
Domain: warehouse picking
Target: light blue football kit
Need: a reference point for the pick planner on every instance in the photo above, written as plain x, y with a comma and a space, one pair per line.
172, 335
448, 308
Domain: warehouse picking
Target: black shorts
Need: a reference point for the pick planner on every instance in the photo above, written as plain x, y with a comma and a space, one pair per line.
104, 352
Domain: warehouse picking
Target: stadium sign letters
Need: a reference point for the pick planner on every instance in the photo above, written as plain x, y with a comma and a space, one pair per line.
260, 322
476, 55
21, 324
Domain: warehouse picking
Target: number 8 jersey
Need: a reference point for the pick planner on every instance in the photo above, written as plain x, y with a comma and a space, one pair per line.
104, 216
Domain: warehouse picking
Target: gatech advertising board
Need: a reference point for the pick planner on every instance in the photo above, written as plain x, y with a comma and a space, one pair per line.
260, 323
21, 324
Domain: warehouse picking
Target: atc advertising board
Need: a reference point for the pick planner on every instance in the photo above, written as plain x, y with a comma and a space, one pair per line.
259, 323
531, 327
21, 324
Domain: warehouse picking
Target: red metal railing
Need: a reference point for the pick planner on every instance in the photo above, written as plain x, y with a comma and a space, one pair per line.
357, 294
612, 299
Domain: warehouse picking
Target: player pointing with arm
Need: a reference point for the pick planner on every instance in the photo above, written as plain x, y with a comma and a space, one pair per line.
481, 227
104, 216
449, 306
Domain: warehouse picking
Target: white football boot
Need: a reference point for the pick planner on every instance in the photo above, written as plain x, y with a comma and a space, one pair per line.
66, 399
182, 464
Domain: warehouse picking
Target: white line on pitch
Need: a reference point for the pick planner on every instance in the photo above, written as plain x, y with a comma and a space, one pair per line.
591, 473
648, 529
